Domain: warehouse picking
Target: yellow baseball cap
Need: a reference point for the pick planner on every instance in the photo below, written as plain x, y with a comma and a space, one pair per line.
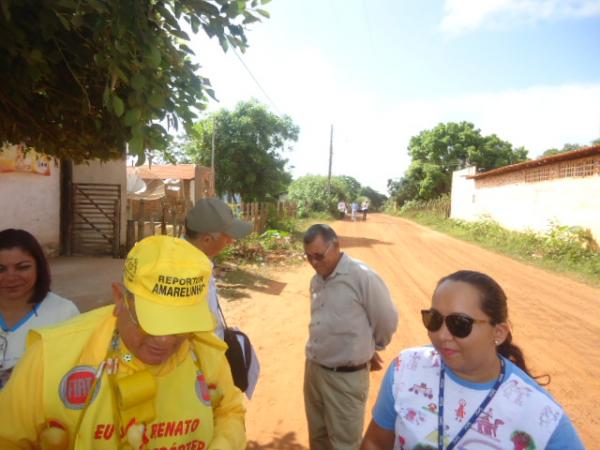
169, 278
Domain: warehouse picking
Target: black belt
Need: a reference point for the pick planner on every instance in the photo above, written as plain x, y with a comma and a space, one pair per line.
346, 368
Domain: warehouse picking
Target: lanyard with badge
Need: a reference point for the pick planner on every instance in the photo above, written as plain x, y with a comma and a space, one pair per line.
4, 372
467, 426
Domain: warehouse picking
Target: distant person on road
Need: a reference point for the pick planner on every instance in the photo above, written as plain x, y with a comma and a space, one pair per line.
354, 210
364, 208
472, 388
211, 226
342, 209
145, 373
25, 298
352, 317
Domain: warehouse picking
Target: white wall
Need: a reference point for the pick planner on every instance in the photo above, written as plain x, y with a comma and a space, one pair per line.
32, 202
109, 172
462, 202
573, 201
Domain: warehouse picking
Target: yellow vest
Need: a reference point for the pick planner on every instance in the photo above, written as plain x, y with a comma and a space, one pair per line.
183, 399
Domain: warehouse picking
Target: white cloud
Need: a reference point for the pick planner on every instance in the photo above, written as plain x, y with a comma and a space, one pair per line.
537, 118
464, 15
370, 138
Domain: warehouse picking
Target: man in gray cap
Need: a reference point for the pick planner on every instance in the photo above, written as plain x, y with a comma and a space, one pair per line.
211, 226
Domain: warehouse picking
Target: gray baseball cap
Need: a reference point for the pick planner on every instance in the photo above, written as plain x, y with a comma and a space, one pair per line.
212, 215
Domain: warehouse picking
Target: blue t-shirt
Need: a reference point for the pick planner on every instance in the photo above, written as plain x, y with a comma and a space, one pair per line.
384, 414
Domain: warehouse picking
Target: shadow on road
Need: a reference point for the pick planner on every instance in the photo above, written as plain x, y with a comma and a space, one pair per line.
351, 241
285, 442
232, 284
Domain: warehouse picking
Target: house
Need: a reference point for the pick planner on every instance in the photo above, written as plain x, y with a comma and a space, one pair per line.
189, 181
70, 208
562, 189
182, 184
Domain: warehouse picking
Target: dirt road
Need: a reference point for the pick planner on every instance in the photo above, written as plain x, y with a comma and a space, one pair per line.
555, 321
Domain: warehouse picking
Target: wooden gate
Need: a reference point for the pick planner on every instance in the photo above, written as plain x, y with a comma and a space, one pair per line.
96, 219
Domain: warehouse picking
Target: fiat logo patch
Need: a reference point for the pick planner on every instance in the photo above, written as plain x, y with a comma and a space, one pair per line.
75, 386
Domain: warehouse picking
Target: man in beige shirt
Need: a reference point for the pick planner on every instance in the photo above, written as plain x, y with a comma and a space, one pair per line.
352, 316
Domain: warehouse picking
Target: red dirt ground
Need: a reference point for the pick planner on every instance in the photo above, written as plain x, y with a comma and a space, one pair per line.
554, 319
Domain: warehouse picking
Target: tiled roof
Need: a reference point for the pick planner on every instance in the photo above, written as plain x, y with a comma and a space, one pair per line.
573, 154
173, 171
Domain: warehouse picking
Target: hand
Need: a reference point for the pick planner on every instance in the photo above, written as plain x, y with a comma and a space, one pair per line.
376, 362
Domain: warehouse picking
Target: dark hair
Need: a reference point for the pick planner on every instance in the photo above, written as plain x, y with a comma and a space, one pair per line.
320, 229
494, 305
189, 233
11, 238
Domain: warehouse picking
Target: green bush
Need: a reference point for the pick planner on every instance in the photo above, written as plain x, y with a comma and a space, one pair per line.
272, 245
562, 248
439, 206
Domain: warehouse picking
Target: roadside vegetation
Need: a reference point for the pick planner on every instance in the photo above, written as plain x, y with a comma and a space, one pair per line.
249, 262
279, 245
561, 248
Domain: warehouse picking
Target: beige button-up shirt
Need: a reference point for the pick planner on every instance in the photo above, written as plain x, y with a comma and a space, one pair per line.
352, 315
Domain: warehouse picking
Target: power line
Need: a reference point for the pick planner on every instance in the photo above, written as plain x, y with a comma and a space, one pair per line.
256, 81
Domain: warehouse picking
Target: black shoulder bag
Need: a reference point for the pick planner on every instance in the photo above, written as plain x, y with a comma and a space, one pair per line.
238, 354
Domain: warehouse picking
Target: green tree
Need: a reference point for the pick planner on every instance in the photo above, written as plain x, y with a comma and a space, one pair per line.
310, 194
566, 148
249, 143
436, 153
81, 78
376, 199
351, 187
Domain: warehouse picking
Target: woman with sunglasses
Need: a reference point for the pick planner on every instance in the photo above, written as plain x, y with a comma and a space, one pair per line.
472, 389
25, 298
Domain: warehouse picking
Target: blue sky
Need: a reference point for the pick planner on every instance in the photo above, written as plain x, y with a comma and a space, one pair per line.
381, 71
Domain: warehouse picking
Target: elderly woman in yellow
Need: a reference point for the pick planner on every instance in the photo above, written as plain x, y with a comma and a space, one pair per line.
148, 373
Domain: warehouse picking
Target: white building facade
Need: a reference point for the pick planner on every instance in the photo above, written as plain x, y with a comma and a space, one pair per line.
562, 189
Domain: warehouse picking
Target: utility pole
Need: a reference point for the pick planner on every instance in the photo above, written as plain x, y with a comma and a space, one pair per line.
330, 160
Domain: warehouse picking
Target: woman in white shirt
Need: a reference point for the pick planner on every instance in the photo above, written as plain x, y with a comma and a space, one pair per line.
470, 390
25, 298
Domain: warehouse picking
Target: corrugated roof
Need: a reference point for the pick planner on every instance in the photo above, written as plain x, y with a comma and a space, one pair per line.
174, 171
573, 154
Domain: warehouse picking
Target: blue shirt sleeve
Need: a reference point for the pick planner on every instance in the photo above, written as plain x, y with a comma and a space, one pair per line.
565, 437
384, 413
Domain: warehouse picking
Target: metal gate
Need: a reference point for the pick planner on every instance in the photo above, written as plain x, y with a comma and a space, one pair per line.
96, 219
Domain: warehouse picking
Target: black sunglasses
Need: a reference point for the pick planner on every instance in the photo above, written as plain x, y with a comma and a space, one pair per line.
459, 325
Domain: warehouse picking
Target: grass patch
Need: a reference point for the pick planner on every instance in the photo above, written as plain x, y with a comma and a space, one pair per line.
278, 246
564, 249
246, 265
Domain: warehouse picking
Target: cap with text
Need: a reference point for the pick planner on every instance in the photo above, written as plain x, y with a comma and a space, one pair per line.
169, 278
212, 215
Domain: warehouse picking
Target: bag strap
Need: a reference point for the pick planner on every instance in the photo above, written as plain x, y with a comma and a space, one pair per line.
221, 312
248, 352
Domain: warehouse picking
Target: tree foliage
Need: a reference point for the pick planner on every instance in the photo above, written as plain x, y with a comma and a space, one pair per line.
436, 153
81, 78
249, 146
566, 148
310, 193
350, 187
376, 199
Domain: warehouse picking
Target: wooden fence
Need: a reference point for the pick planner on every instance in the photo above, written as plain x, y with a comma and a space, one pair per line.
169, 218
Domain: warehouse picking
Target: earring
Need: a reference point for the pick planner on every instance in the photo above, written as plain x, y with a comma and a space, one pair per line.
496, 342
